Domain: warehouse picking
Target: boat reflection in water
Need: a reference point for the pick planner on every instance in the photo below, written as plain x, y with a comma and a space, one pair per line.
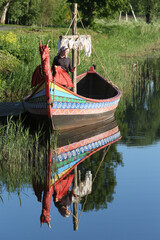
63, 182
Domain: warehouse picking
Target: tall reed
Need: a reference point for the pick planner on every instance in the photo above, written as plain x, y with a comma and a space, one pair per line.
119, 45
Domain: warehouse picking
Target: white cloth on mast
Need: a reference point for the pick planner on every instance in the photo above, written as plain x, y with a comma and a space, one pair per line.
82, 42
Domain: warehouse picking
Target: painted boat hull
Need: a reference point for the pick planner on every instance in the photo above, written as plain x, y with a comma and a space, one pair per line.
96, 101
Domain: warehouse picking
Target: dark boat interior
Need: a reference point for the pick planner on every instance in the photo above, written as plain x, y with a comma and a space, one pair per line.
92, 85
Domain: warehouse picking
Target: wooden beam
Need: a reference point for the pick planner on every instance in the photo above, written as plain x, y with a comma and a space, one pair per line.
126, 16
74, 52
76, 36
133, 13
120, 15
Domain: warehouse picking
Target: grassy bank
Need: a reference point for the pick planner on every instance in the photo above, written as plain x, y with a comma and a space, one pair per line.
117, 47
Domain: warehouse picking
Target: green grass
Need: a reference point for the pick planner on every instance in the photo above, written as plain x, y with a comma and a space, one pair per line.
118, 45
123, 44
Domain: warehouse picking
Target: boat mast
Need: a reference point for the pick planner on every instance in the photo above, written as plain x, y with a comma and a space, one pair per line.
74, 52
74, 76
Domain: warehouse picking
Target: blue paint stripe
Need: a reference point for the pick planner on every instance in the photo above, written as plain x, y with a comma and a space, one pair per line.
62, 94
69, 105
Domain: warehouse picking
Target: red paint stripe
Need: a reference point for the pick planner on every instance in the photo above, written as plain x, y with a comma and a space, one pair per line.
83, 111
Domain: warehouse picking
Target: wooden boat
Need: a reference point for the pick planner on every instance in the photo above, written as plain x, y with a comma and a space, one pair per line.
96, 99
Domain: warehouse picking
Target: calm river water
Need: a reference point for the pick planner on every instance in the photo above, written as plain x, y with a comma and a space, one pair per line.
125, 199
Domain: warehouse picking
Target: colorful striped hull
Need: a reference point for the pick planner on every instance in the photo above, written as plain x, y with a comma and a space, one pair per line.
67, 109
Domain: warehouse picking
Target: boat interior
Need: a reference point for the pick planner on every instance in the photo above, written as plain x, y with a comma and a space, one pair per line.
92, 85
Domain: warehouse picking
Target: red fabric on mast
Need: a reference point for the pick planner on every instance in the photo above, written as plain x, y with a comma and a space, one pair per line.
62, 77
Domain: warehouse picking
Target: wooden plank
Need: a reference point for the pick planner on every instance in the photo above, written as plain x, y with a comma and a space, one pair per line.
11, 109
76, 36
74, 52
65, 122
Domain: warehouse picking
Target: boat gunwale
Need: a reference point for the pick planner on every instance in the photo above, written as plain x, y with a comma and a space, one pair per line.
48, 95
118, 95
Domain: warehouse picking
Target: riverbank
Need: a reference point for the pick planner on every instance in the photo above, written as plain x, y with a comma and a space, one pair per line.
118, 47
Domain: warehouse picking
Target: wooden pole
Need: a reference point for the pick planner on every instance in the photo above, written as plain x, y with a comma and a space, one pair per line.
120, 15
75, 205
74, 52
74, 77
133, 13
126, 16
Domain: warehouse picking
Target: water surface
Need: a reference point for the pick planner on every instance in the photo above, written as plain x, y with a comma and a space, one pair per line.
124, 203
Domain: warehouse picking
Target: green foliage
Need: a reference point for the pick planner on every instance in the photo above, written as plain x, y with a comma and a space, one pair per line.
52, 12
55, 12
37, 12
20, 58
100, 9
26, 12
8, 65
147, 8
118, 46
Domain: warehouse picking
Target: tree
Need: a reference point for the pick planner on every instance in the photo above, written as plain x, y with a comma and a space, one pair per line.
55, 12
4, 6
28, 12
149, 8
99, 8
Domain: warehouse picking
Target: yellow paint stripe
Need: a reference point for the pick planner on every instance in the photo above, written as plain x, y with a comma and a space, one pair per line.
58, 88
59, 176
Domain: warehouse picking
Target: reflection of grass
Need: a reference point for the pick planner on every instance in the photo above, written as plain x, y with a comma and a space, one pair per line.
17, 150
15, 141
22, 157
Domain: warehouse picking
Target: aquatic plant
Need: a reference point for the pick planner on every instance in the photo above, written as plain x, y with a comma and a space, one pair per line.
20, 155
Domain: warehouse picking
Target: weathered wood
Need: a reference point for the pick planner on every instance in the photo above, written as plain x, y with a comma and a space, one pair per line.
74, 52
64, 122
133, 13
120, 15
76, 36
11, 109
126, 16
